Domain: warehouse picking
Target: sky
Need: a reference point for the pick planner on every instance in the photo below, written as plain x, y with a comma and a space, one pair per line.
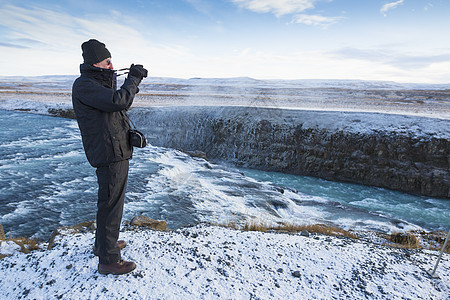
389, 40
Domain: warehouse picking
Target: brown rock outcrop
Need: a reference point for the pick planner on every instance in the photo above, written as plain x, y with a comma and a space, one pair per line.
143, 221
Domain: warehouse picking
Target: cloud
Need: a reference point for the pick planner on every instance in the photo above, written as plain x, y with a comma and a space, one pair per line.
284, 7
37, 41
388, 6
298, 64
277, 7
202, 6
316, 20
403, 61
51, 40
38, 27
23, 43
10, 45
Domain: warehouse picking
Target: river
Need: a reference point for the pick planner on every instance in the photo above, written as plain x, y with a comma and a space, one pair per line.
46, 182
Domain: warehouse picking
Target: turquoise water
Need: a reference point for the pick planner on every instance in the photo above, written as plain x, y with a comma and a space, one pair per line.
46, 182
426, 212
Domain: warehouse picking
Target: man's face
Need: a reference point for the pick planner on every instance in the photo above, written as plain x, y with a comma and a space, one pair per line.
105, 64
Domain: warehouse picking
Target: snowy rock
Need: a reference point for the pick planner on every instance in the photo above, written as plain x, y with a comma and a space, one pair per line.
63, 113
304, 233
8, 248
93, 226
83, 226
196, 153
143, 221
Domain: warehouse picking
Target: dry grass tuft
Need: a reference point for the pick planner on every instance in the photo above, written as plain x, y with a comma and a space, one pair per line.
255, 226
403, 240
416, 240
26, 245
408, 240
317, 228
291, 228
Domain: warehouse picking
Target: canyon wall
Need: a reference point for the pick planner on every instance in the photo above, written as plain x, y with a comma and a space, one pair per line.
408, 154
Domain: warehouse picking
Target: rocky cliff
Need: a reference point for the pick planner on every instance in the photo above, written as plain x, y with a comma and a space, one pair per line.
409, 154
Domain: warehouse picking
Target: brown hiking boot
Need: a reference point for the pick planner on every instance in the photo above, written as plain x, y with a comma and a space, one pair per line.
121, 244
117, 268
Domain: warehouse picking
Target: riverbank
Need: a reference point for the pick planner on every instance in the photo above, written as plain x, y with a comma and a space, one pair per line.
206, 261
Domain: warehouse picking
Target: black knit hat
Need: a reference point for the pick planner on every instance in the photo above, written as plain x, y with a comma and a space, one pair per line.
94, 52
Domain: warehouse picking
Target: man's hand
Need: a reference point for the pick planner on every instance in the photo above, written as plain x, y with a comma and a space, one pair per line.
138, 71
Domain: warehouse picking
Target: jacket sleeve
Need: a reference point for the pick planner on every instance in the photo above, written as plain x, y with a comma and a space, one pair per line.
108, 100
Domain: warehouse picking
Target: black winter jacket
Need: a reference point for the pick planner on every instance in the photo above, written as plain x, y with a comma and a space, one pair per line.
100, 109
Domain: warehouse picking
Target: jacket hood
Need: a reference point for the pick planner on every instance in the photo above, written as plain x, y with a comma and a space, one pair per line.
106, 77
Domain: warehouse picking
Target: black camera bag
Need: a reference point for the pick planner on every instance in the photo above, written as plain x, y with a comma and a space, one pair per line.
137, 138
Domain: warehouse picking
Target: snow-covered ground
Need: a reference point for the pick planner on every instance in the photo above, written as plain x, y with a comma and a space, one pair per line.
209, 262
206, 262
429, 100
349, 105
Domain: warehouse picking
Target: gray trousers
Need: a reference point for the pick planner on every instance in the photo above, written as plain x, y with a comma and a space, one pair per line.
112, 184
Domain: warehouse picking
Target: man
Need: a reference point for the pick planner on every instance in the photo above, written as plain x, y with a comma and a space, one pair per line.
100, 111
